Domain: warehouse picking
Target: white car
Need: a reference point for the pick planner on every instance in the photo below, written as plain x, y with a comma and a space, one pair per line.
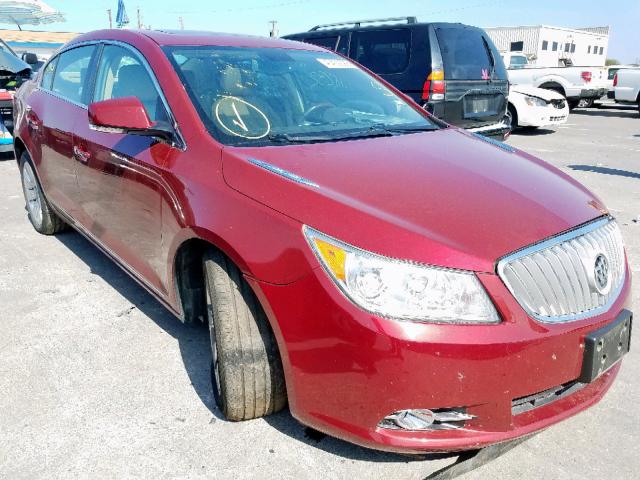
611, 73
626, 85
536, 107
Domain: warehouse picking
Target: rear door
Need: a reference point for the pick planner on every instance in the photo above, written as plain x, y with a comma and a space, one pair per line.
52, 115
476, 80
399, 55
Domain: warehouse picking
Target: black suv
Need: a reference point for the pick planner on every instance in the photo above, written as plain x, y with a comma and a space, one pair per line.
453, 70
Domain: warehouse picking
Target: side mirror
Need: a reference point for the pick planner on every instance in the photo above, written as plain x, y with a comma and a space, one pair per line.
125, 115
30, 58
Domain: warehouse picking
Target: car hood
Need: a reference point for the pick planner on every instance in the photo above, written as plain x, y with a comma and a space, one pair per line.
12, 64
542, 93
442, 198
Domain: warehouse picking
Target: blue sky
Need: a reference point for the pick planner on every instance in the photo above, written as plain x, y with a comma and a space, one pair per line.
252, 16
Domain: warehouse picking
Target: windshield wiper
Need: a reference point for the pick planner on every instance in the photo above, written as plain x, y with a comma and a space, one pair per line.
287, 138
373, 131
422, 128
376, 130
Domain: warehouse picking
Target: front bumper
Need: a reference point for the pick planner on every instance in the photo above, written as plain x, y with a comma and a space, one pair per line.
347, 369
499, 130
546, 116
593, 93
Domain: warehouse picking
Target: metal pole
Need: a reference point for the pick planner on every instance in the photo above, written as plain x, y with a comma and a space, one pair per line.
181, 22
110, 22
274, 31
139, 20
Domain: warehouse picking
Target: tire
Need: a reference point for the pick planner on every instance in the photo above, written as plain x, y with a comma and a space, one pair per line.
514, 116
246, 372
572, 103
41, 216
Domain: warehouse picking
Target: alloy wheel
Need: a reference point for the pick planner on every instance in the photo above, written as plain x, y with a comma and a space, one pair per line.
32, 194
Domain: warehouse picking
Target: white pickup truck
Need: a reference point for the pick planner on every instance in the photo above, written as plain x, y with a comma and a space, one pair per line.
626, 85
574, 83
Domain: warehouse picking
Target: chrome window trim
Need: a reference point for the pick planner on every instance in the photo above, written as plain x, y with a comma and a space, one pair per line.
551, 242
60, 97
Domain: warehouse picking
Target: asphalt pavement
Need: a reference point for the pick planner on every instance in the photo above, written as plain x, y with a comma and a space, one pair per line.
98, 380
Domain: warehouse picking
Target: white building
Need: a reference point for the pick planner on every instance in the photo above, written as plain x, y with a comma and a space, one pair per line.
547, 46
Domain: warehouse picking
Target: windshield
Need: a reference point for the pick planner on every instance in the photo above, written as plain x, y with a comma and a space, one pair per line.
518, 61
267, 96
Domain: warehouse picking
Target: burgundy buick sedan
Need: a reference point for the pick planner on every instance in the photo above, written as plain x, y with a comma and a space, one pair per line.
405, 285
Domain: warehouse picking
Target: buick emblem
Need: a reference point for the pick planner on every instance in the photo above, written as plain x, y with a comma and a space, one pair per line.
601, 274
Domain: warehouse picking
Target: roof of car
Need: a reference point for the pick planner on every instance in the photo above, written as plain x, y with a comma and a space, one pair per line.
193, 37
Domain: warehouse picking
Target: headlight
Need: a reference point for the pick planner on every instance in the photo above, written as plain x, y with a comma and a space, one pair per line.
535, 101
401, 289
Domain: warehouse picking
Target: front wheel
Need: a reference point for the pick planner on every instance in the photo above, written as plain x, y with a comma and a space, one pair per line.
40, 214
246, 373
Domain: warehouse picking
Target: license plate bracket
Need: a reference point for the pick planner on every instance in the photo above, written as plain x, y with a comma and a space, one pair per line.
605, 347
479, 106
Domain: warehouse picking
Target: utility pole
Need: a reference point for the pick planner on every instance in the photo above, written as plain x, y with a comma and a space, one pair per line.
181, 23
274, 30
110, 21
139, 20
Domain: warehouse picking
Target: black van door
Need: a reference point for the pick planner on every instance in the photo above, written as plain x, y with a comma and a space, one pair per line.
476, 82
393, 53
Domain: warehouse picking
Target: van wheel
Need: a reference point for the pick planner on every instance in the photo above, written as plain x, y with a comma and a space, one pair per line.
40, 214
246, 372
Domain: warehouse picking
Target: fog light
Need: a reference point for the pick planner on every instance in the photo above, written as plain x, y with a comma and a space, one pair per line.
423, 419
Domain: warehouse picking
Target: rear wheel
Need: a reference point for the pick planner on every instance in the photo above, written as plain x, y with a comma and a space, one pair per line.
246, 373
40, 214
573, 103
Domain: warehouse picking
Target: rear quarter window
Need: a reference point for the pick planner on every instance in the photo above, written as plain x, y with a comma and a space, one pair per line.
382, 51
469, 54
47, 74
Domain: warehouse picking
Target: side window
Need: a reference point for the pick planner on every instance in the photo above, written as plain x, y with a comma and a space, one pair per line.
343, 45
121, 74
71, 74
47, 74
326, 42
517, 46
545, 45
382, 51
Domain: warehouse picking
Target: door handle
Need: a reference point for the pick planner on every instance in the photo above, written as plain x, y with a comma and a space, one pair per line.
81, 155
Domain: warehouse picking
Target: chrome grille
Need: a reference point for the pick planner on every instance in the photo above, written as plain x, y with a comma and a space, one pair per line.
562, 279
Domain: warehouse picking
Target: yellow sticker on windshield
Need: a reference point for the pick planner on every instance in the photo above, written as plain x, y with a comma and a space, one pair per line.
336, 63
